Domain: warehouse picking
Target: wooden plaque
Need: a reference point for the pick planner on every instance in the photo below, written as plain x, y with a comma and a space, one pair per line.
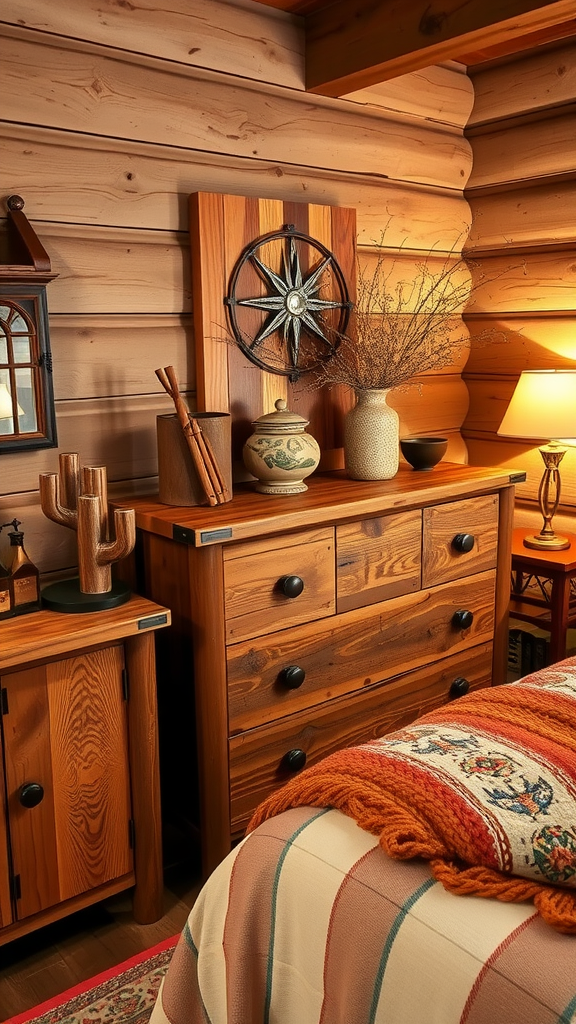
221, 227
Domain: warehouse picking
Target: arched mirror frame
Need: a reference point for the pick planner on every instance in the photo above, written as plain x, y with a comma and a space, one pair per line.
26, 392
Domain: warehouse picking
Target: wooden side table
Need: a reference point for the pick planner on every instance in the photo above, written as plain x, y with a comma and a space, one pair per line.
544, 589
79, 773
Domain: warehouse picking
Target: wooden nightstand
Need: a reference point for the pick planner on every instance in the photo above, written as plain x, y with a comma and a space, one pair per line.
544, 589
79, 779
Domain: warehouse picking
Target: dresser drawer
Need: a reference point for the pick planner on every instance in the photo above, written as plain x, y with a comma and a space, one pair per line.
377, 559
256, 595
459, 538
351, 651
258, 758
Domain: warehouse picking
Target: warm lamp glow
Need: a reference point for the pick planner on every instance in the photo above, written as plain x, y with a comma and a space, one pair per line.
544, 406
6, 404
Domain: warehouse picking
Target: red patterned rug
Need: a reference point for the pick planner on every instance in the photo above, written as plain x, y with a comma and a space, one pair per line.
125, 994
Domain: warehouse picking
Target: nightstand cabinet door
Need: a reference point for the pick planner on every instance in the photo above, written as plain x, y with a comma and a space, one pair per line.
5, 902
67, 778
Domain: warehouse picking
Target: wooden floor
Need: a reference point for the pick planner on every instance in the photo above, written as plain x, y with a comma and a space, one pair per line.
52, 959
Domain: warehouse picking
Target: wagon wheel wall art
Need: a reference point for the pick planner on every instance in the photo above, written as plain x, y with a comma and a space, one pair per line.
272, 287
305, 307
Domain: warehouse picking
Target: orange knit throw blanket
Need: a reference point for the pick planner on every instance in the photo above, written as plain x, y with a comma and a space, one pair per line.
484, 789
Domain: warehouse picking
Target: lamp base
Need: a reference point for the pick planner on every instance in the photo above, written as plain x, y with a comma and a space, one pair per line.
553, 543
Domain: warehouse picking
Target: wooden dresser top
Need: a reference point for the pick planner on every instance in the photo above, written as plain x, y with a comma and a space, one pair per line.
330, 497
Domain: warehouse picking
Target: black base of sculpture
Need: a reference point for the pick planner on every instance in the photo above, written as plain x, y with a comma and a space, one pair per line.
67, 597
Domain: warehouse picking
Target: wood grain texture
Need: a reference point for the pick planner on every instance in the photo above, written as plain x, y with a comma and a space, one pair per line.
386, 40
355, 649
256, 756
530, 283
49, 634
240, 689
203, 33
201, 110
221, 228
518, 152
521, 196
67, 728
440, 93
144, 764
128, 448
90, 350
27, 754
90, 776
5, 901
542, 80
71, 177
441, 560
534, 217
126, 271
377, 559
329, 498
253, 599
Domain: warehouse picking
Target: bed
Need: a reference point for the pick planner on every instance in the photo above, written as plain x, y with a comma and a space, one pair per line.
311, 920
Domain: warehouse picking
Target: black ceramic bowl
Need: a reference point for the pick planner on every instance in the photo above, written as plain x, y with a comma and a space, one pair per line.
423, 452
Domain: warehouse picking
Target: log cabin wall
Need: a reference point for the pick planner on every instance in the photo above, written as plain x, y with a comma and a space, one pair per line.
112, 114
522, 193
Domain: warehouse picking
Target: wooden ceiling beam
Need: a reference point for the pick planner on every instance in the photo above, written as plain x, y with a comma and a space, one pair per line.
351, 44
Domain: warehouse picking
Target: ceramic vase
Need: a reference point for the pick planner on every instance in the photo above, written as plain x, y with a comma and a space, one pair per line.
371, 437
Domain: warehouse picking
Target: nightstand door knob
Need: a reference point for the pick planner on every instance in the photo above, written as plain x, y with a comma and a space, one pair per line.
459, 687
31, 794
291, 586
292, 676
294, 760
462, 619
463, 542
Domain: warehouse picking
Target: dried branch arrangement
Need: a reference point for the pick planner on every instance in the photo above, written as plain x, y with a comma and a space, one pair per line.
203, 458
399, 328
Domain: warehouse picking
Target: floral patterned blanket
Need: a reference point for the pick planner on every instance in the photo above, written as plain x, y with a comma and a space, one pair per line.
483, 788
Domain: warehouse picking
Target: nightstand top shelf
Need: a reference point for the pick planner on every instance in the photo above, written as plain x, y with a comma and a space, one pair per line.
39, 636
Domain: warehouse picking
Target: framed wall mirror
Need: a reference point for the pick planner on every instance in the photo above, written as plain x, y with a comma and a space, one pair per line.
27, 416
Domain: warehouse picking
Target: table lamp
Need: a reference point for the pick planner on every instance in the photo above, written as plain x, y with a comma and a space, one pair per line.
544, 405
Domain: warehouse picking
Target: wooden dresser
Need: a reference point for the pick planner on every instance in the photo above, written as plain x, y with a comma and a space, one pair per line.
318, 620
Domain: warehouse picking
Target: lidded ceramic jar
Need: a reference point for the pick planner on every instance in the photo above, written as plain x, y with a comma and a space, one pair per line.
280, 454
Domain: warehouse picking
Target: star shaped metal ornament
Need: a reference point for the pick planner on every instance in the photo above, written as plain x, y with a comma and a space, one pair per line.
292, 301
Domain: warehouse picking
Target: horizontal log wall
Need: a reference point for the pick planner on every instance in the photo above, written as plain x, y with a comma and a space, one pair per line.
112, 114
522, 193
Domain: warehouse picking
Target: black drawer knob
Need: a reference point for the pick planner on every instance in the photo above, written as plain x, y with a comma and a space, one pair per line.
462, 619
459, 687
294, 760
291, 586
292, 676
31, 794
463, 542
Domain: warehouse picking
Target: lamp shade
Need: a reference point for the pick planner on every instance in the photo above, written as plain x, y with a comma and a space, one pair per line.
5, 402
543, 406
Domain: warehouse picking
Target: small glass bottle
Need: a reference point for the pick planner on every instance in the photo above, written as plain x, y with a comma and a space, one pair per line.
5, 601
24, 576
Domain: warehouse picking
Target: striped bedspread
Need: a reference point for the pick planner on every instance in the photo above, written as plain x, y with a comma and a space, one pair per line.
309, 922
